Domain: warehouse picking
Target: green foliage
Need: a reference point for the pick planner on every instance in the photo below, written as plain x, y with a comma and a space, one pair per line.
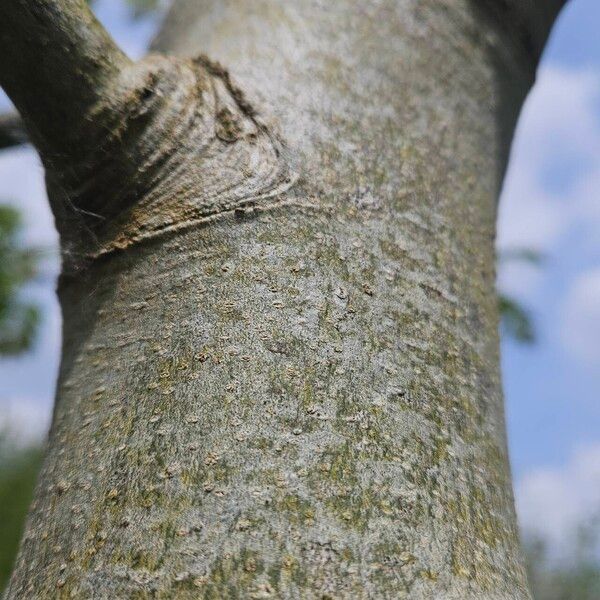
18, 320
577, 578
141, 8
515, 320
527, 255
18, 325
18, 472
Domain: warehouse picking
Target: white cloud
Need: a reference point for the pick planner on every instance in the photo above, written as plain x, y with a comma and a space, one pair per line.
553, 501
553, 180
25, 421
581, 318
22, 185
560, 109
558, 122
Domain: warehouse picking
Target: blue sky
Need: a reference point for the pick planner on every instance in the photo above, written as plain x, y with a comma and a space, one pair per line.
550, 202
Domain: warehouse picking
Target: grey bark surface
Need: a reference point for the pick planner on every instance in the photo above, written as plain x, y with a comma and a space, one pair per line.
280, 375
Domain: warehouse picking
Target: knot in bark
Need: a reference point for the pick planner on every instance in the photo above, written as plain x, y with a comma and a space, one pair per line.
173, 143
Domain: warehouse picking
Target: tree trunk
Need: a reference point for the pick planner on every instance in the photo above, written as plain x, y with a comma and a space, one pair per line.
280, 373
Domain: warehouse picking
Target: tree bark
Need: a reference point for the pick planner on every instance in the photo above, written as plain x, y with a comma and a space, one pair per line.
280, 373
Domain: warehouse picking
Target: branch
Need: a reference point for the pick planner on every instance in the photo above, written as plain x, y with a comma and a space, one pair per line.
56, 62
529, 20
12, 130
541, 15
